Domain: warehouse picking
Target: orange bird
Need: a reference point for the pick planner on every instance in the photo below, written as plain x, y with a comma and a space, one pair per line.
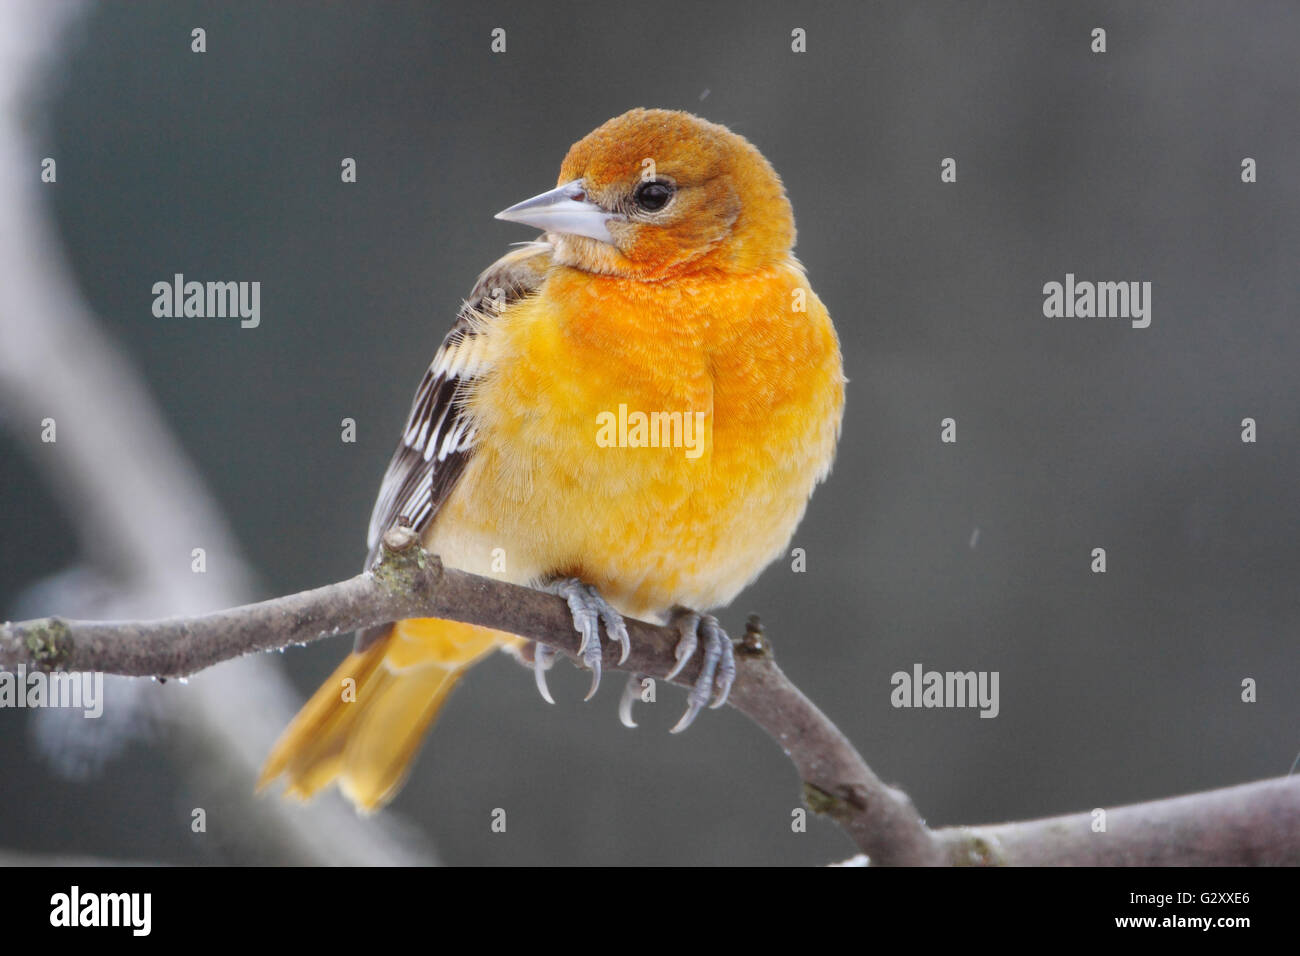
630, 412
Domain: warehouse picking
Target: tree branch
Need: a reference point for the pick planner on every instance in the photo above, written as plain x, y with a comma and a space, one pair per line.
1256, 823
409, 582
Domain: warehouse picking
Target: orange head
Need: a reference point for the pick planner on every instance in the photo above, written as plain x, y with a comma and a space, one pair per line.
658, 193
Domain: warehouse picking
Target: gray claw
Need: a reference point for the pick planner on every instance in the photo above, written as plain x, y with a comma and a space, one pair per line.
593, 664
585, 617
589, 611
631, 694
615, 629
726, 671
719, 665
688, 622
543, 658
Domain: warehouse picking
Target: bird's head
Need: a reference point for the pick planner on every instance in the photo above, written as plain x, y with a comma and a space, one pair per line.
658, 193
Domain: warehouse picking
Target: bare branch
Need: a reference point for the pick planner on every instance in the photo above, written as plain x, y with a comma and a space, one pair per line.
1255, 823
409, 582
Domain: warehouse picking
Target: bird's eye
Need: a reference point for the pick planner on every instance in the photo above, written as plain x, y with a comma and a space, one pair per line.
652, 196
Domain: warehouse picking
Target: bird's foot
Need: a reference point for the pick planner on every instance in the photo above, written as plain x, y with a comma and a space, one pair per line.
589, 611
719, 669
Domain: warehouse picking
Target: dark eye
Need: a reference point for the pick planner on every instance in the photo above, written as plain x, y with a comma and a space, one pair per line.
652, 196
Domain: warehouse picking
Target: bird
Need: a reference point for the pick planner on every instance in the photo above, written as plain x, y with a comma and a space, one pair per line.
630, 411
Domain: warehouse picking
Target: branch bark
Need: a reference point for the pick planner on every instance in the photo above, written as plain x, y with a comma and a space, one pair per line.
1256, 823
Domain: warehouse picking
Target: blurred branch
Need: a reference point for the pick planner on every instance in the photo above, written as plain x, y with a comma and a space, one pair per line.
137, 504
1254, 823
9, 858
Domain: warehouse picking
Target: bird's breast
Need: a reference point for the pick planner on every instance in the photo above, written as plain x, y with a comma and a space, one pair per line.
658, 440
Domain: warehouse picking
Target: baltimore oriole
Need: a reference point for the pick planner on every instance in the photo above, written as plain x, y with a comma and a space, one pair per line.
631, 412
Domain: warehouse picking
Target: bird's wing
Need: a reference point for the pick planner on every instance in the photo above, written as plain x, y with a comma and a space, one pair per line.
439, 435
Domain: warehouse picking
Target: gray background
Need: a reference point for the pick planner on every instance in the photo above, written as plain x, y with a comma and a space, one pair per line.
1073, 433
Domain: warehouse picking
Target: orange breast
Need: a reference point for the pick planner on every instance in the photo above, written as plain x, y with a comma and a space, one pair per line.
657, 440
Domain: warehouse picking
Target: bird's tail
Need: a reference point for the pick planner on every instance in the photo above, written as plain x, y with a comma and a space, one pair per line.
363, 726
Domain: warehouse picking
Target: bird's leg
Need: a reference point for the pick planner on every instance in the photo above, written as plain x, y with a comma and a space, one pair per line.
589, 610
719, 669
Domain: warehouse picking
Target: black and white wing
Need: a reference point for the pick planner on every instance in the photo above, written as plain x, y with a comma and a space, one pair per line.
439, 435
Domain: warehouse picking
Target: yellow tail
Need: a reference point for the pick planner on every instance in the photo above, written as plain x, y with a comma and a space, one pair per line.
363, 726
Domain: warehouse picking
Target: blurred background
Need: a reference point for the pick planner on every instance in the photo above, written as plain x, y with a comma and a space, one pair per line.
1072, 433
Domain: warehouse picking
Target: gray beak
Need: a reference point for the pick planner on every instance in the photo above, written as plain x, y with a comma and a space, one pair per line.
564, 209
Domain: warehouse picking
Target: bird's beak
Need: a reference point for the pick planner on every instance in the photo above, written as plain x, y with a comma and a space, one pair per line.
564, 209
